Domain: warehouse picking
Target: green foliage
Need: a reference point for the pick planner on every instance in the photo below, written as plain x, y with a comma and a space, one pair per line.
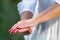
8, 16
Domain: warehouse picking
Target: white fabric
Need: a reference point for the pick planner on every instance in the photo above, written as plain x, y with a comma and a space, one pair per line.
58, 1
45, 31
27, 5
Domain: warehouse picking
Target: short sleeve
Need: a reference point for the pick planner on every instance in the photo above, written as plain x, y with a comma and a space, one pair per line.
58, 1
26, 5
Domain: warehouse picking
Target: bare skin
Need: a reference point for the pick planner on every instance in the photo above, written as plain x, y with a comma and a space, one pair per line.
24, 16
50, 13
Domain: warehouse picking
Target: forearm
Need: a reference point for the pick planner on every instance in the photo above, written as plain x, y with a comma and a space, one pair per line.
49, 14
26, 15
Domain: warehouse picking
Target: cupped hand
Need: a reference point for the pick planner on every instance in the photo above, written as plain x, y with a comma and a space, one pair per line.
24, 31
21, 25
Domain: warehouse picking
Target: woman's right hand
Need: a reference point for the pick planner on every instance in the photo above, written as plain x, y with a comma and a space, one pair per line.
24, 31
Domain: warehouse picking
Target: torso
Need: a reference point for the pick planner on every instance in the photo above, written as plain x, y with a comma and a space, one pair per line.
44, 4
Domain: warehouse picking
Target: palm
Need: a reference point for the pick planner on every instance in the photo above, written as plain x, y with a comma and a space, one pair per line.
24, 25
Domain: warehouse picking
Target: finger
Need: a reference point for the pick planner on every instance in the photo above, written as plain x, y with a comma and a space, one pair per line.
27, 32
21, 27
14, 32
13, 28
22, 30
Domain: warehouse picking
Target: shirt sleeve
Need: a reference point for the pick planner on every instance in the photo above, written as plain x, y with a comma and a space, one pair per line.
57, 1
26, 5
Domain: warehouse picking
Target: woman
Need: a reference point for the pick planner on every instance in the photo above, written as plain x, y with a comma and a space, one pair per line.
45, 26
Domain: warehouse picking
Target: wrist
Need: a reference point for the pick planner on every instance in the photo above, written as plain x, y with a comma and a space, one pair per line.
26, 15
35, 20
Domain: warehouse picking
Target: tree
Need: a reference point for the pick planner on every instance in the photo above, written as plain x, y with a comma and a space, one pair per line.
8, 16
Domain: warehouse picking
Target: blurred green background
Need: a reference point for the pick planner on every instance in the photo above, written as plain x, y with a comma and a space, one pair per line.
8, 16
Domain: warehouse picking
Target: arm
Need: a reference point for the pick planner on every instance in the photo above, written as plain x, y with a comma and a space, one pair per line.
26, 15
52, 12
26, 10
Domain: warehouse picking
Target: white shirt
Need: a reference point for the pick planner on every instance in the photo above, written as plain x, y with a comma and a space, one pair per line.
29, 5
